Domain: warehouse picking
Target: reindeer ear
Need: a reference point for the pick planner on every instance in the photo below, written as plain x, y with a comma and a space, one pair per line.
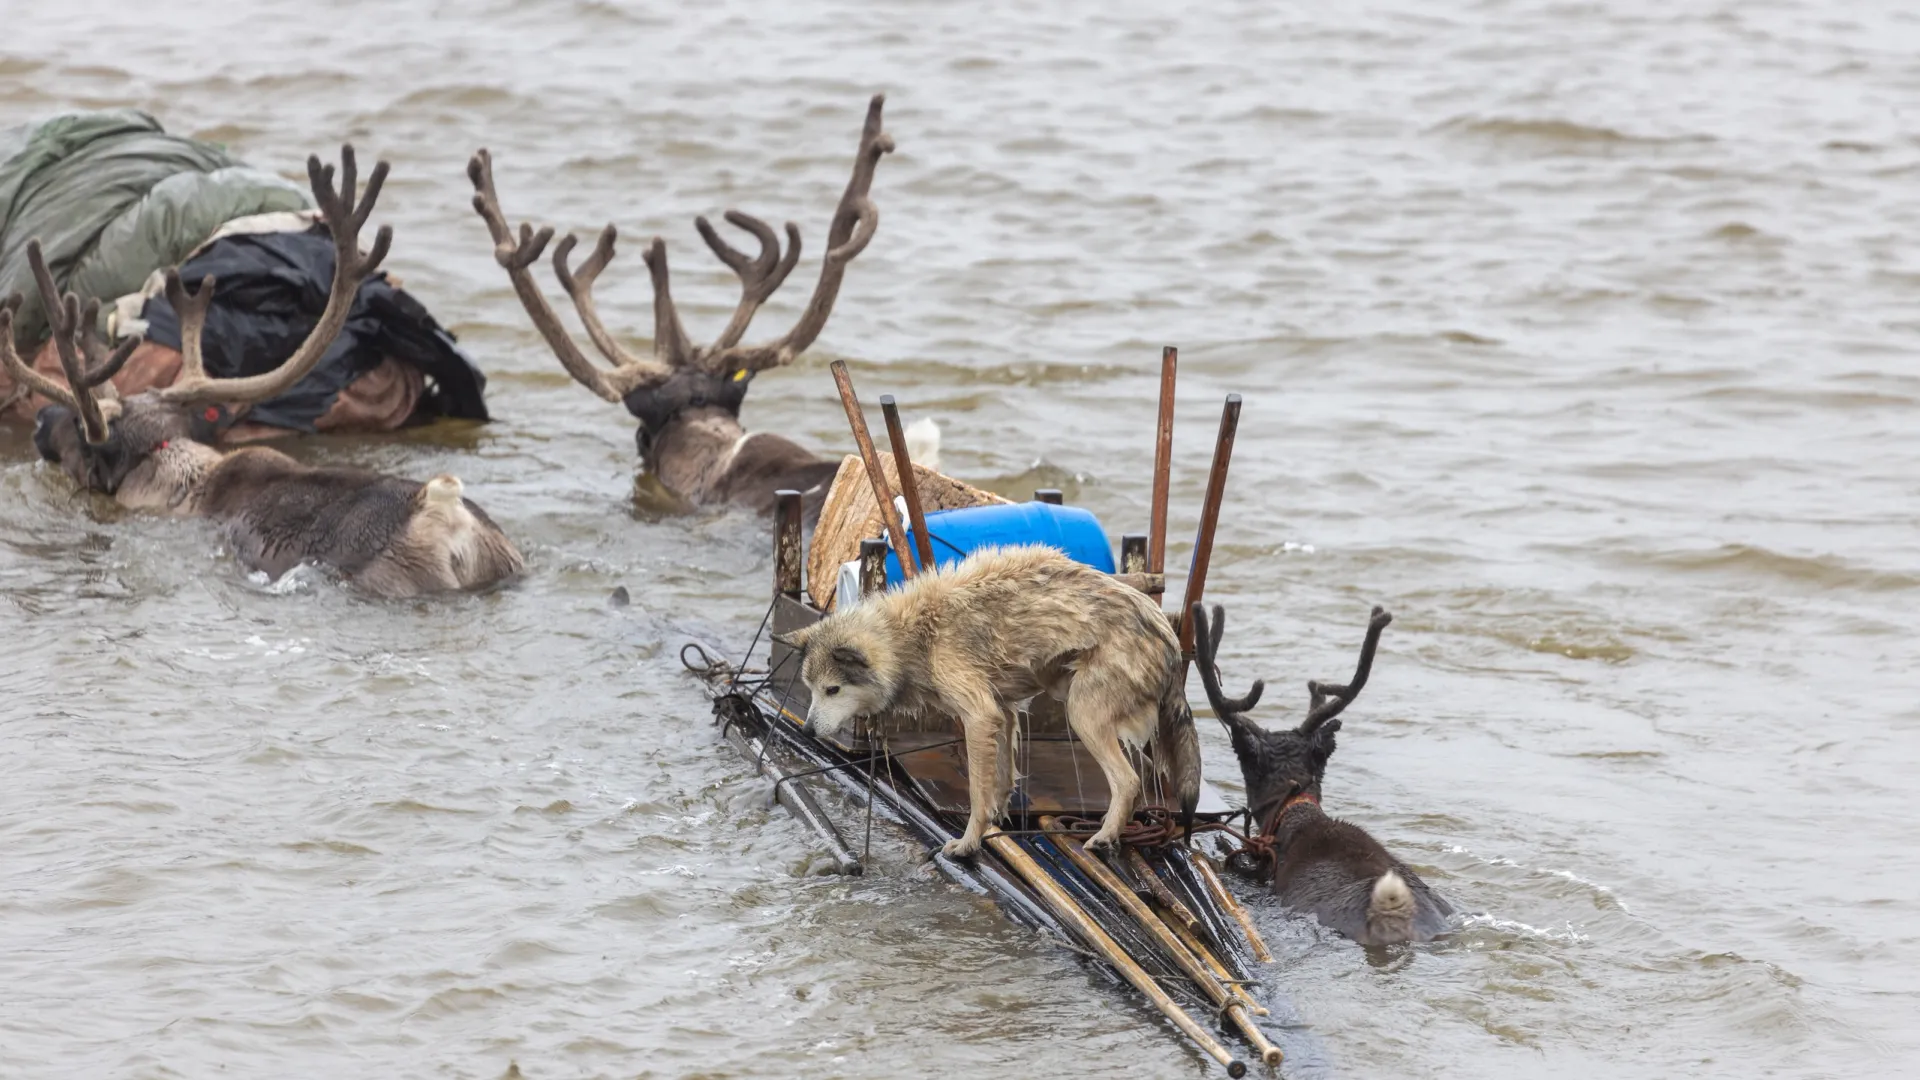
1323, 737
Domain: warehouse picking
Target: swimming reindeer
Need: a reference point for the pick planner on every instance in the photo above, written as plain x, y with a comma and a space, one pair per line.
1325, 867
390, 537
687, 397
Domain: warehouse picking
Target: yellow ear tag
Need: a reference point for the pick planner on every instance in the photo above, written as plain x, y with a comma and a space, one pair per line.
739, 375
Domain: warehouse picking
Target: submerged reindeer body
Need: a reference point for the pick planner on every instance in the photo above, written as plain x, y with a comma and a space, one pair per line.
389, 536
687, 397
1331, 869
704, 451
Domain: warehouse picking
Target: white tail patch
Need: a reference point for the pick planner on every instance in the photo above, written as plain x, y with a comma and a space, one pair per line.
923, 443
1390, 912
444, 490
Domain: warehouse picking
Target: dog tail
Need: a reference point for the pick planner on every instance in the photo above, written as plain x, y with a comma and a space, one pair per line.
923, 443
1390, 912
1177, 747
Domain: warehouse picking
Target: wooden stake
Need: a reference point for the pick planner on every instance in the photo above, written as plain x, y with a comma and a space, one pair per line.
1162, 464
786, 543
1209, 520
909, 481
1067, 910
878, 478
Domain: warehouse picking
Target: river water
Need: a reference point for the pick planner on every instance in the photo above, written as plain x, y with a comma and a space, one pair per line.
1579, 335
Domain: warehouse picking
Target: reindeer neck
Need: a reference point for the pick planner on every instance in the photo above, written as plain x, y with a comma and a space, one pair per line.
1300, 810
174, 479
213, 483
691, 453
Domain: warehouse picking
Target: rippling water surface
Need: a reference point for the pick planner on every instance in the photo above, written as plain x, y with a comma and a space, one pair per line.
1580, 335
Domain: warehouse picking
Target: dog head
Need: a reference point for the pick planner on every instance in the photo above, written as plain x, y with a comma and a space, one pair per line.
845, 661
1280, 764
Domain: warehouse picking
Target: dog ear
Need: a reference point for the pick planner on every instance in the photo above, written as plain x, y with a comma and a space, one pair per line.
849, 657
795, 639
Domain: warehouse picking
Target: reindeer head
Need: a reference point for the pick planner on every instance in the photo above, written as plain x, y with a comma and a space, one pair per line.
682, 376
144, 449
1278, 765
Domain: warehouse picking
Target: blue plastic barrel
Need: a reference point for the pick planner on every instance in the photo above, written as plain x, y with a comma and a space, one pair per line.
958, 533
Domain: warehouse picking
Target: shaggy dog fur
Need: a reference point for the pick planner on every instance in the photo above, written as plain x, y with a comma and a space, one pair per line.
976, 639
1326, 867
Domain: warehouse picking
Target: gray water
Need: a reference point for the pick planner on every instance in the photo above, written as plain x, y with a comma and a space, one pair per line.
1579, 335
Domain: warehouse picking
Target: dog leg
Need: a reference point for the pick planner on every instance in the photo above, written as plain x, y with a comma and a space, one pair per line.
1003, 772
980, 721
1096, 730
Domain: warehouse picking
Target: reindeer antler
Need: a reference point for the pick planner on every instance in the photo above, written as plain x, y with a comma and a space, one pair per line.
102, 363
1206, 644
22, 373
760, 277
346, 212
515, 256
854, 222
83, 359
1328, 700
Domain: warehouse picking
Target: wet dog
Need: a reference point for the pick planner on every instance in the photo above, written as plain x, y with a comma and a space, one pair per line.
1326, 867
975, 639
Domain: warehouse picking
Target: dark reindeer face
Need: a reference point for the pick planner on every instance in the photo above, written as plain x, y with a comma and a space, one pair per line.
1279, 764
687, 388
142, 426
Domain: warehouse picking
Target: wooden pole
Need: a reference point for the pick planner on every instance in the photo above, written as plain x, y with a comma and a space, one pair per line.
1145, 872
1209, 520
881, 493
909, 481
1203, 867
1195, 962
1070, 912
1162, 464
786, 543
797, 799
1200, 949
1050, 496
1239, 1008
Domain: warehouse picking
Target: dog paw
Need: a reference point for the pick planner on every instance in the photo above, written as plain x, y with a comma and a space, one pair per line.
1104, 840
960, 848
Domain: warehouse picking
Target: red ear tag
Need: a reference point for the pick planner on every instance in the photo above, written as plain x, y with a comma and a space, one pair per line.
163, 445
212, 414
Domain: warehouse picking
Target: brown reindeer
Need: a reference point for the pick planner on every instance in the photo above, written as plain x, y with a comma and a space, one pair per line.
687, 397
390, 537
1326, 867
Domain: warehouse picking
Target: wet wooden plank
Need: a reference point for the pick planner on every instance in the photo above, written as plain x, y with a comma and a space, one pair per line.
1061, 777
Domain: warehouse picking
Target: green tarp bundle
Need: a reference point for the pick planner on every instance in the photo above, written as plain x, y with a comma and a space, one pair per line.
112, 198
